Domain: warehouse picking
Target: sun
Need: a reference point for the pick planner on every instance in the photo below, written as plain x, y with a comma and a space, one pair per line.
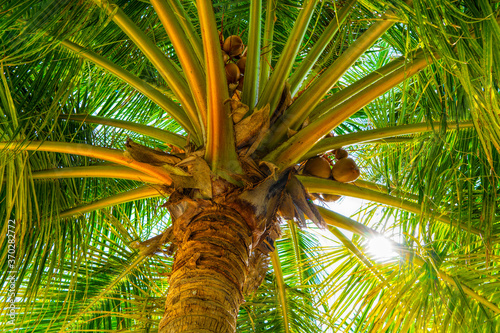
380, 248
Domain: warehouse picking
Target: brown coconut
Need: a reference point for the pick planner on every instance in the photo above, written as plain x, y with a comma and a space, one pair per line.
232, 73
225, 57
345, 170
233, 45
242, 64
341, 153
317, 166
331, 197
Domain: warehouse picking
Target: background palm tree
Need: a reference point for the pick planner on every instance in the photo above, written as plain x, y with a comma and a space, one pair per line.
89, 88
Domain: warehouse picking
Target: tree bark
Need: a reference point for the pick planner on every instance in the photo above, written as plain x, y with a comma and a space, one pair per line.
209, 270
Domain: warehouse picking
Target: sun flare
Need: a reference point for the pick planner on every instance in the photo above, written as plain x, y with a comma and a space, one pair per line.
381, 248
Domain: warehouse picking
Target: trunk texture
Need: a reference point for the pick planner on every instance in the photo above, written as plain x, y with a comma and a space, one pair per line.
209, 270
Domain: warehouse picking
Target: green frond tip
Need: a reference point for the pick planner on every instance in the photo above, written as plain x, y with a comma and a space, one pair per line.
108, 288
282, 294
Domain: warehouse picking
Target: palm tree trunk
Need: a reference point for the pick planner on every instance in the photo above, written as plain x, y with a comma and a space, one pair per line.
209, 270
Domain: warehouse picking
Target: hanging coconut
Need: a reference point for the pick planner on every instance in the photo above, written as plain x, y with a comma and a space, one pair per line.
331, 197
345, 170
317, 166
341, 153
233, 45
232, 73
242, 64
225, 57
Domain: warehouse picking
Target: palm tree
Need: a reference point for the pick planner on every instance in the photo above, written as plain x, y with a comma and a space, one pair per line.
147, 185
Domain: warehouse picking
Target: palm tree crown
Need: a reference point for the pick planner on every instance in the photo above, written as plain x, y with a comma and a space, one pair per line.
127, 126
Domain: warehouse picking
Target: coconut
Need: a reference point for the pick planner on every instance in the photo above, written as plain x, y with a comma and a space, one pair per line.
232, 73
225, 57
331, 197
317, 166
233, 45
345, 170
341, 153
242, 64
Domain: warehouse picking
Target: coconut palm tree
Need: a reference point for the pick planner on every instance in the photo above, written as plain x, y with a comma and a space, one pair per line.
176, 166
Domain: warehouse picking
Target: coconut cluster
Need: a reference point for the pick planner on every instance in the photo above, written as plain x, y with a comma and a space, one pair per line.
344, 170
233, 55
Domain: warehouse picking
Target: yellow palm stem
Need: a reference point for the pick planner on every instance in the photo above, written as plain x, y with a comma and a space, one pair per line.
145, 88
320, 185
250, 85
320, 45
220, 147
267, 44
164, 65
142, 192
95, 171
189, 29
186, 55
307, 101
107, 154
292, 150
272, 90
340, 141
159, 134
349, 91
278, 275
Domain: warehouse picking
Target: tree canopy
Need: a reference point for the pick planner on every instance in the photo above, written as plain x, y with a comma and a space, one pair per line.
409, 89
